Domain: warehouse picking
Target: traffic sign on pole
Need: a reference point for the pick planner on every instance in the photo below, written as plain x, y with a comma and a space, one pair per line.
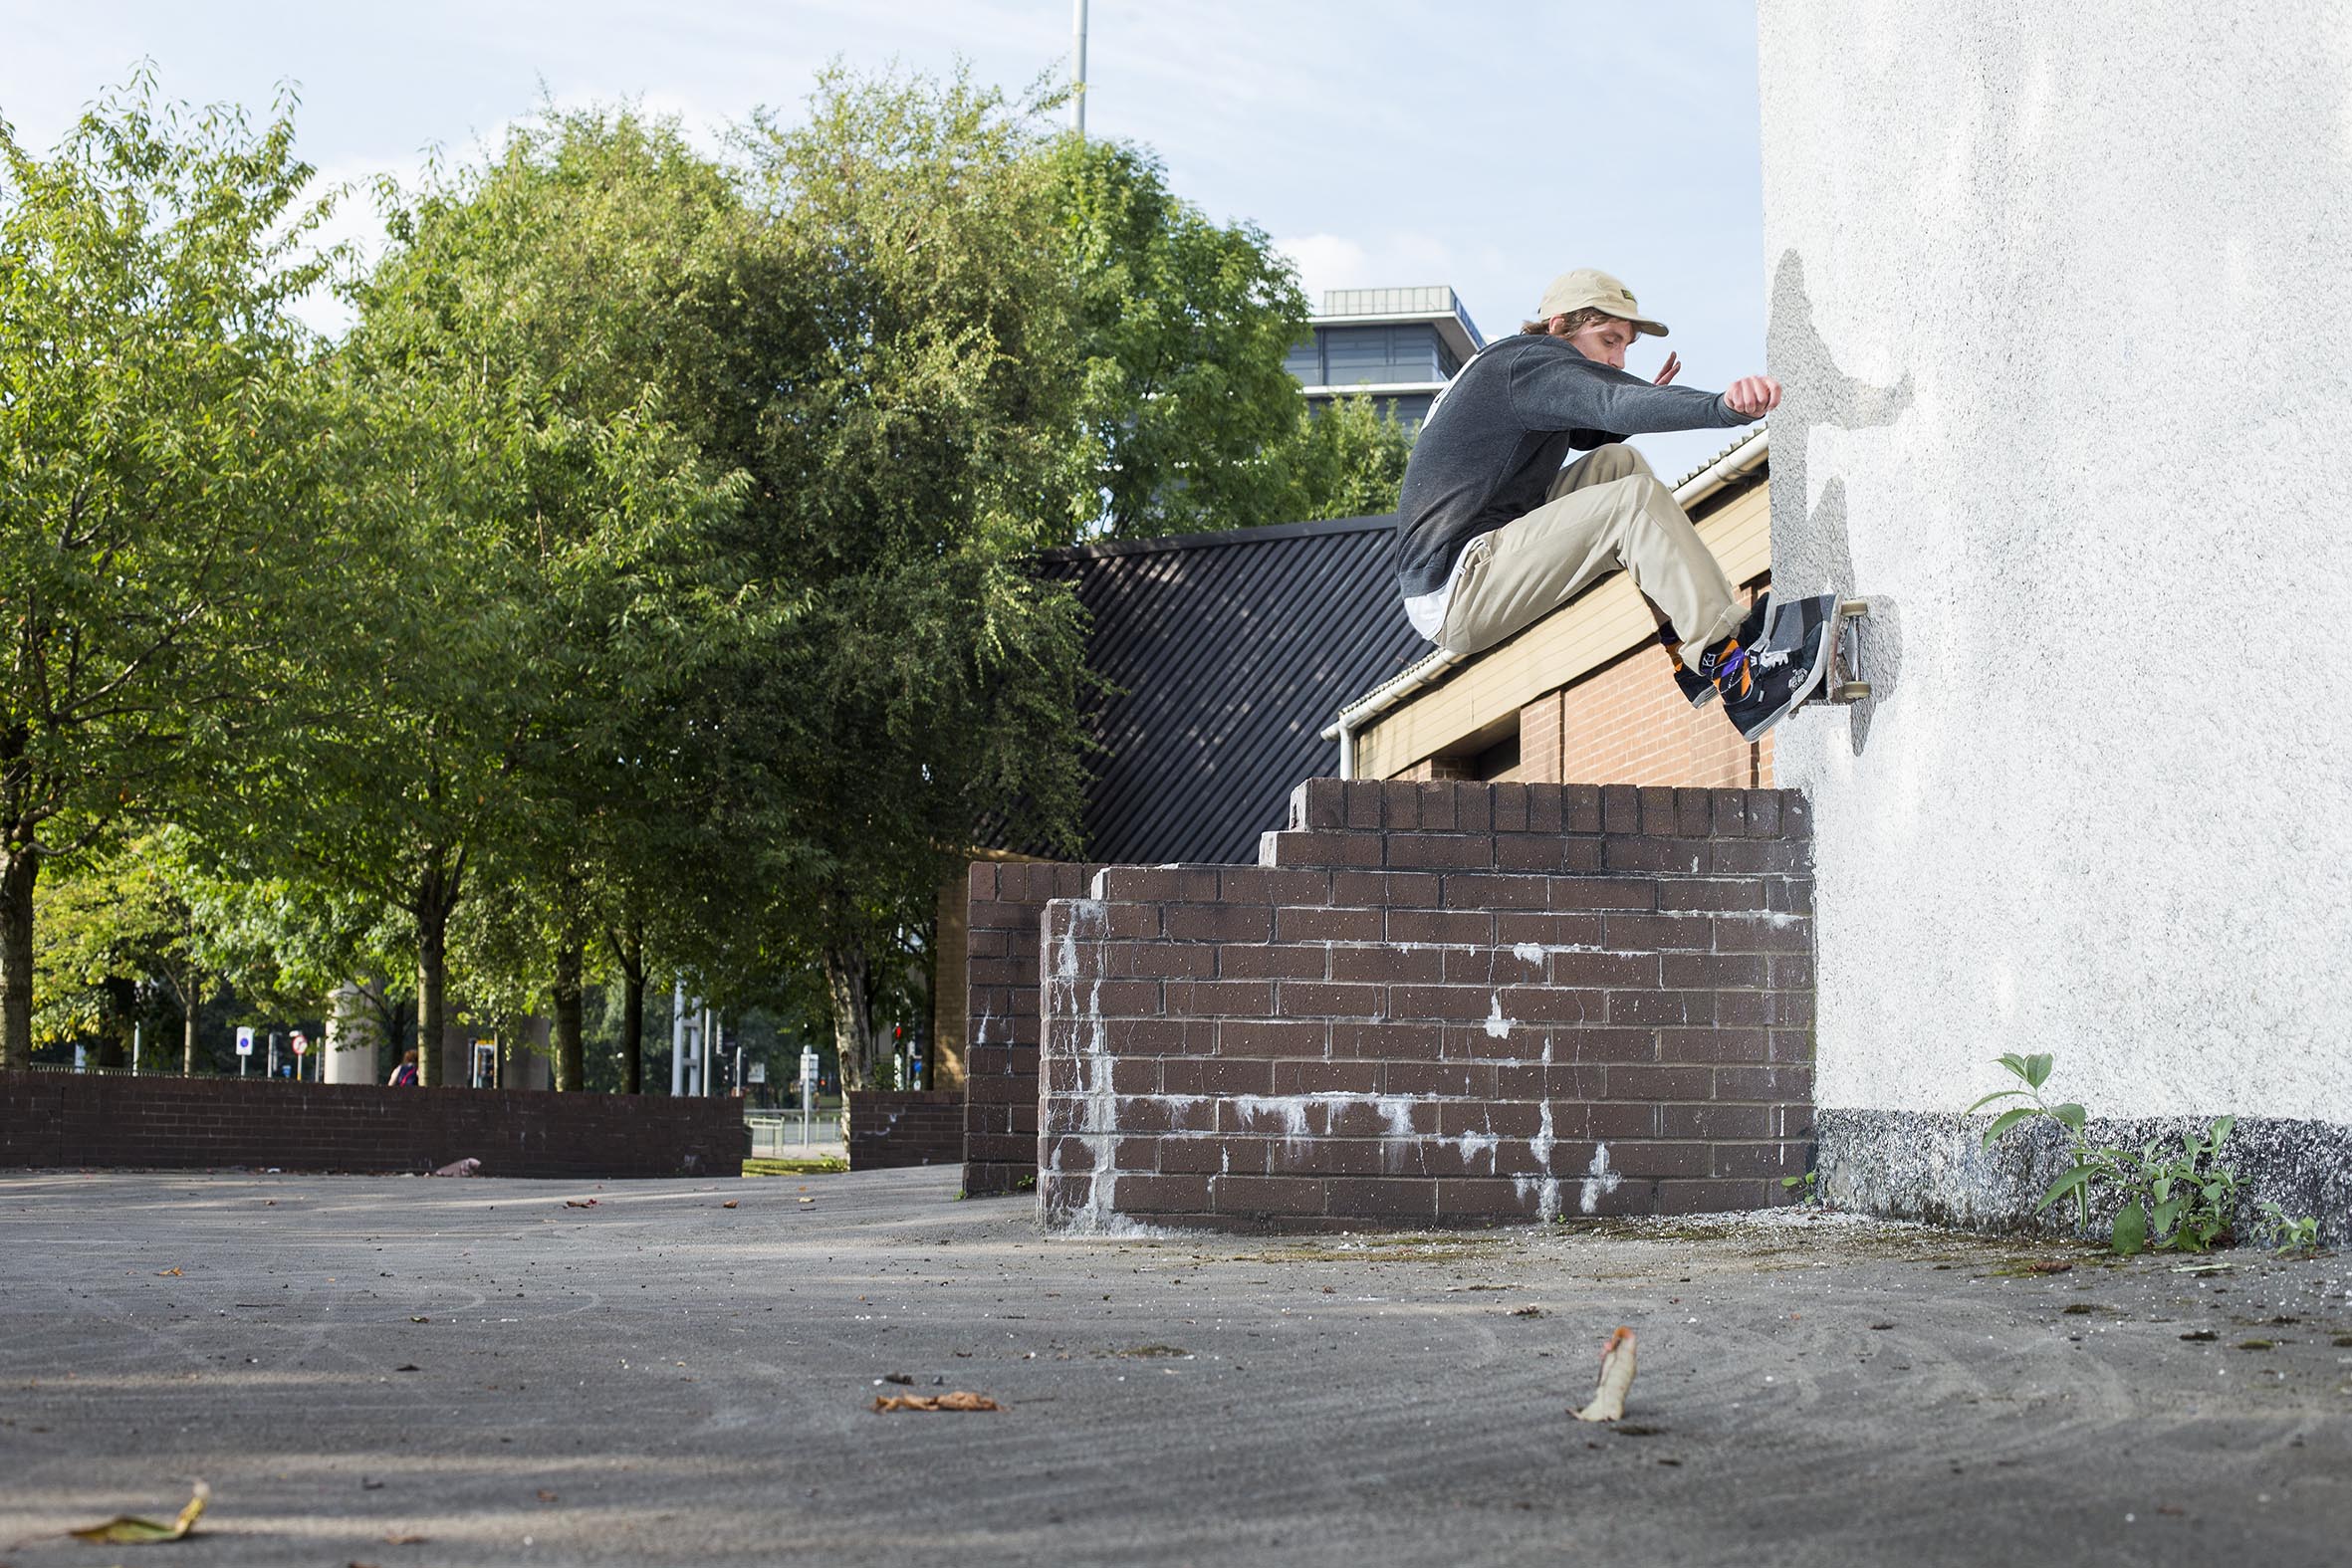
245, 1040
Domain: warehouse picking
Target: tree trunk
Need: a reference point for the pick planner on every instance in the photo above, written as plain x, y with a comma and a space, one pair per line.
568, 1055
19, 866
632, 1009
436, 896
191, 991
854, 1028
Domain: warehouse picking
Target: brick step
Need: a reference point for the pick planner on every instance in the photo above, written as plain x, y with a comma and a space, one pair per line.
1458, 807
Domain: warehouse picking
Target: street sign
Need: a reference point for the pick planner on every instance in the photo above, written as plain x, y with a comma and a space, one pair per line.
302, 1043
758, 1072
807, 1066
245, 1040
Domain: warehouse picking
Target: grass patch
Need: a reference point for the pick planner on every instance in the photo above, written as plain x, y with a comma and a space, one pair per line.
794, 1167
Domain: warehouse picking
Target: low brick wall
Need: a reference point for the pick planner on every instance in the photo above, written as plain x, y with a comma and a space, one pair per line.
71, 1119
905, 1127
1006, 899
1439, 1004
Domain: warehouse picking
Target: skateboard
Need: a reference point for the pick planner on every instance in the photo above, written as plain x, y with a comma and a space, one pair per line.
1842, 681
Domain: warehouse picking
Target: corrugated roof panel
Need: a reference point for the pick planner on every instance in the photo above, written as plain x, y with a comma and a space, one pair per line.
1230, 652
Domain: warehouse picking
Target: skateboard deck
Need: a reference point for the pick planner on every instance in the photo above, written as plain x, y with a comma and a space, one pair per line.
1844, 680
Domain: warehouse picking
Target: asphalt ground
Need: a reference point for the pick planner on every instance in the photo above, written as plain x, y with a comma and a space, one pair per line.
399, 1372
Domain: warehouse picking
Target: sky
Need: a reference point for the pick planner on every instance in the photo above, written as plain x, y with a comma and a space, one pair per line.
1486, 144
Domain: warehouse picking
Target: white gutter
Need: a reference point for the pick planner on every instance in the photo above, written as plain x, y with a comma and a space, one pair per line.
1741, 461
1738, 463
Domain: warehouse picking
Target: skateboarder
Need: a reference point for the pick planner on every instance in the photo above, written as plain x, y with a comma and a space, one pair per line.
1492, 533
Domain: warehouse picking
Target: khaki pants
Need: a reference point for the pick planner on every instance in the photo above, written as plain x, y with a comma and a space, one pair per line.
1606, 510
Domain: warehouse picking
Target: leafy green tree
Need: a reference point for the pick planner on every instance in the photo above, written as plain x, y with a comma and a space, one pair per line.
1348, 461
923, 421
158, 451
138, 916
555, 514
1185, 326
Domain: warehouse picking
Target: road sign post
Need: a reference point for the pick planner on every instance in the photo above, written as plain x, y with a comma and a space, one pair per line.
244, 1048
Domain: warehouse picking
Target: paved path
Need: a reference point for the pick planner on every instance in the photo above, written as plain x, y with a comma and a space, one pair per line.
661, 1379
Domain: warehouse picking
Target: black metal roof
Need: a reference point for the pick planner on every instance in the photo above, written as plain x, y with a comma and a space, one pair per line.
1230, 653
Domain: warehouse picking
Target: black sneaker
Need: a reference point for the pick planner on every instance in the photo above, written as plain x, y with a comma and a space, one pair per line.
1697, 689
1760, 684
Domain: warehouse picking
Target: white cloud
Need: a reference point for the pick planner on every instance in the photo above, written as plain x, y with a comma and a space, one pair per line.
1325, 261
1398, 260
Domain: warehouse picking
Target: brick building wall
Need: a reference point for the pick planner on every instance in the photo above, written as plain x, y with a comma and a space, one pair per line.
1628, 723
1439, 1003
1004, 904
891, 1128
71, 1119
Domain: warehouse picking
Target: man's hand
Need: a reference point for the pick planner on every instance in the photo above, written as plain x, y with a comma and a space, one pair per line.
1669, 371
1753, 396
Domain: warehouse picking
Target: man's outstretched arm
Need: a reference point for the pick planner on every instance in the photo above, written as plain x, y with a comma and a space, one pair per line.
1561, 393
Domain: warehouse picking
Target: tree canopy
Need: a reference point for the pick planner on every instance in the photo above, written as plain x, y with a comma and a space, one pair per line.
643, 587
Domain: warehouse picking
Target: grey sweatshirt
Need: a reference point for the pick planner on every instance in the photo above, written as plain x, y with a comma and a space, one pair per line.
1496, 441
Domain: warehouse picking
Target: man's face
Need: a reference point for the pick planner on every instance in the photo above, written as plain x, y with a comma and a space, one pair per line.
1605, 340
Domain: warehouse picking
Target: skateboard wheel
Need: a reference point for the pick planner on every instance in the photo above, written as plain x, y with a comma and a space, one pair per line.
1853, 606
1853, 691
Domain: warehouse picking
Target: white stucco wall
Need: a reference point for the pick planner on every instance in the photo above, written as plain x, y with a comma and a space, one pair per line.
2062, 298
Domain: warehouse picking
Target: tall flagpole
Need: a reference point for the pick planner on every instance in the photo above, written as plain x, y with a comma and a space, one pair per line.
1078, 72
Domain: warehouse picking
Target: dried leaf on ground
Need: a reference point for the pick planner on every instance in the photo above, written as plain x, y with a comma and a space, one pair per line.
730, 1203
959, 1400
579, 1202
128, 1530
405, 1540
1616, 1377
167, 1273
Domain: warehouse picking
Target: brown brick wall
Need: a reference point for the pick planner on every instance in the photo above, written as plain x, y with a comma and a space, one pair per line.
1001, 1007
1627, 723
1440, 1004
71, 1119
906, 1127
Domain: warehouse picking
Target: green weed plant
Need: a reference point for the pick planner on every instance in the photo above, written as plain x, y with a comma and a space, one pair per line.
2184, 1202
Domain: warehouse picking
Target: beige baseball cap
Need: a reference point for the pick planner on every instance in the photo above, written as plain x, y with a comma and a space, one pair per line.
1590, 289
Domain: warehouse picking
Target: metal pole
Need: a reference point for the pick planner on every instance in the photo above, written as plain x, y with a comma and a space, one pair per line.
1077, 71
702, 1057
135, 1039
679, 1040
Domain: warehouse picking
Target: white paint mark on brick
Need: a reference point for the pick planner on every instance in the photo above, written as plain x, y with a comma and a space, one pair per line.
1290, 1111
1499, 1026
1474, 1144
1097, 1122
1529, 952
1599, 1179
1547, 1201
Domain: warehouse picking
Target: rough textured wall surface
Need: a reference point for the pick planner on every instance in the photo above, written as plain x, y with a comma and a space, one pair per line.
2062, 297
